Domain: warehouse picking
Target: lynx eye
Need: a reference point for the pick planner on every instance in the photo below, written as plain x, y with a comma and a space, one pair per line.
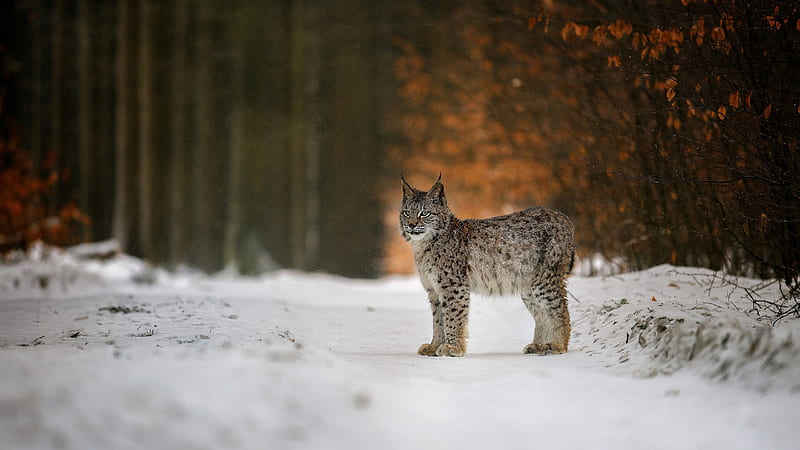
424, 214
405, 213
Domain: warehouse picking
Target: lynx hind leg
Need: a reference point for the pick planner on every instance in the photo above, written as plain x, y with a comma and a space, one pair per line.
547, 302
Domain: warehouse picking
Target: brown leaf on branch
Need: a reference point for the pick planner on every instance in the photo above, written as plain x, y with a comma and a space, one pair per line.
670, 94
733, 99
773, 22
620, 29
639, 40
565, 31
599, 35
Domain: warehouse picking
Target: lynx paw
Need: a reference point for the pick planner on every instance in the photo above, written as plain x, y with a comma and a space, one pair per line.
427, 350
544, 349
451, 350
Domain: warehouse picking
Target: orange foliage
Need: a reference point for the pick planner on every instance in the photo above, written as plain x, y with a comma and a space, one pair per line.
580, 31
702, 94
620, 29
451, 124
24, 217
657, 123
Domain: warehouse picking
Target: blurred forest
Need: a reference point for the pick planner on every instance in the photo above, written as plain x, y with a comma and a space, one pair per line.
211, 133
273, 133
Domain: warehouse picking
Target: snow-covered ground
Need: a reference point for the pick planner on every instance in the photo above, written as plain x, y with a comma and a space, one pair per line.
666, 358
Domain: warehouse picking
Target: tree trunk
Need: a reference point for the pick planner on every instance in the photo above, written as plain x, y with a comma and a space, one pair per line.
56, 100
36, 128
312, 115
274, 88
233, 224
263, 137
179, 181
206, 213
102, 35
296, 137
145, 111
350, 246
125, 228
86, 111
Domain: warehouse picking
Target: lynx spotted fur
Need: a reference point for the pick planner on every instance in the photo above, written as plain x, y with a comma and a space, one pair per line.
528, 252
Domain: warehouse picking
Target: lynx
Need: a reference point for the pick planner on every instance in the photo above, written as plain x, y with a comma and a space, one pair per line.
528, 252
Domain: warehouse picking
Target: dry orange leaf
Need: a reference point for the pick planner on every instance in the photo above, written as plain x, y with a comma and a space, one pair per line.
620, 29
767, 111
565, 31
733, 99
763, 222
599, 35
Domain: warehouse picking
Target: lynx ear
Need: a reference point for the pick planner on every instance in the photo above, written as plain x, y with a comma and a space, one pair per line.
407, 189
437, 191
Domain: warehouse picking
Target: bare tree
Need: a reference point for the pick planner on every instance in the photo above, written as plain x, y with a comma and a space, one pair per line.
125, 229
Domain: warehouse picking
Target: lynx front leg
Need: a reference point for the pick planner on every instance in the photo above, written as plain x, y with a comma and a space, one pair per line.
547, 302
455, 313
438, 326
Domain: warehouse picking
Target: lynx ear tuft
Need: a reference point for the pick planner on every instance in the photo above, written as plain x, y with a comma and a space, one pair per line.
407, 189
437, 191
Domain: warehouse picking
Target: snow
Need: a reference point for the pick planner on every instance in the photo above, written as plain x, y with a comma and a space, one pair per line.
115, 354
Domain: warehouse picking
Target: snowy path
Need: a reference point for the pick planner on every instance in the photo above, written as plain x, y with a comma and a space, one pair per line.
311, 361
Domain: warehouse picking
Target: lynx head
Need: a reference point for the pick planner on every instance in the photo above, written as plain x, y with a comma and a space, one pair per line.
423, 214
